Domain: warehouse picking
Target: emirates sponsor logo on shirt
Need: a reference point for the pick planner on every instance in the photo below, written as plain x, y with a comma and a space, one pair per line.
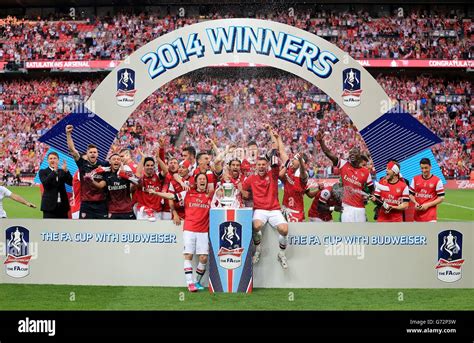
289, 180
423, 195
352, 180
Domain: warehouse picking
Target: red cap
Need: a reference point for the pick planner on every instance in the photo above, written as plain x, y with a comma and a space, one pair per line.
392, 166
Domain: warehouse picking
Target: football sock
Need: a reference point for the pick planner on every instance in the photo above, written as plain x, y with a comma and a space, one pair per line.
188, 271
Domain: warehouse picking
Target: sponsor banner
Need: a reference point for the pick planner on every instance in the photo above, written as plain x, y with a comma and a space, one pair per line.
380, 63
259, 42
320, 255
106, 64
459, 184
370, 63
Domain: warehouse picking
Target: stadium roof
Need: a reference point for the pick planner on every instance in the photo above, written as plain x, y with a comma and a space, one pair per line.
65, 3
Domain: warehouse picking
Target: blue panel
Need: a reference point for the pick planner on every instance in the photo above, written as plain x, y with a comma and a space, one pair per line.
88, 128
217, 217
244, 217
411, 166
214, 277
398, 136
71, 165
221, 269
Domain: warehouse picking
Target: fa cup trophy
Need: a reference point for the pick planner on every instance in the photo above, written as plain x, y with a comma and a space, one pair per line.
226, 196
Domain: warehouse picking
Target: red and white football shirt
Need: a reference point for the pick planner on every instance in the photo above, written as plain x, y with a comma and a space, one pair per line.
175, 187
353, 179
248, 168
324, 196
293, 194
196, 206
426, 190
146, 199
75, 201
264, 189
393, 194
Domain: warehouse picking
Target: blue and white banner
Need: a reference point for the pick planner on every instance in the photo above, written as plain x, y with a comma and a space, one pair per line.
230, 260
239, 40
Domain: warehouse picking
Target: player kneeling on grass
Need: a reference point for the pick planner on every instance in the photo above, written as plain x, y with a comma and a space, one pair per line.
264, 187
326, 200
393, 195
197, 205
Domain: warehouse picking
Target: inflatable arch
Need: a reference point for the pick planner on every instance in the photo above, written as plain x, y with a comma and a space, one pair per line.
388, 133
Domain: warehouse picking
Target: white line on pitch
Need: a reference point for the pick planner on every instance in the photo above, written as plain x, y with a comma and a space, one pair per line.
448, 203
452, 219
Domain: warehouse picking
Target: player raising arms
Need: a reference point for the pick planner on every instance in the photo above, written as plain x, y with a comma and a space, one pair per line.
119, 185
354, 179
294, 178
426, 191
189, 153
166, 210
93, 204
177, 207
197, 205
232, 173
213, 172
264, 187
127, 160
393, 195
249, 163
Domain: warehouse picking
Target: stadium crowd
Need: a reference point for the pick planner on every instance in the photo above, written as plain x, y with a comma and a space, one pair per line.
231, 111
416, 34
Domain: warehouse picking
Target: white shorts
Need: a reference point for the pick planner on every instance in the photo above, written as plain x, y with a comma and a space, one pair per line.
196, 242
142, 215
316, 219
165, 215
75, 215
274, 217
351, 214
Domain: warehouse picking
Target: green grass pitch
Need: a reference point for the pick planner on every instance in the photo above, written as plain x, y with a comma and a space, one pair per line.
62, 297
458, 207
